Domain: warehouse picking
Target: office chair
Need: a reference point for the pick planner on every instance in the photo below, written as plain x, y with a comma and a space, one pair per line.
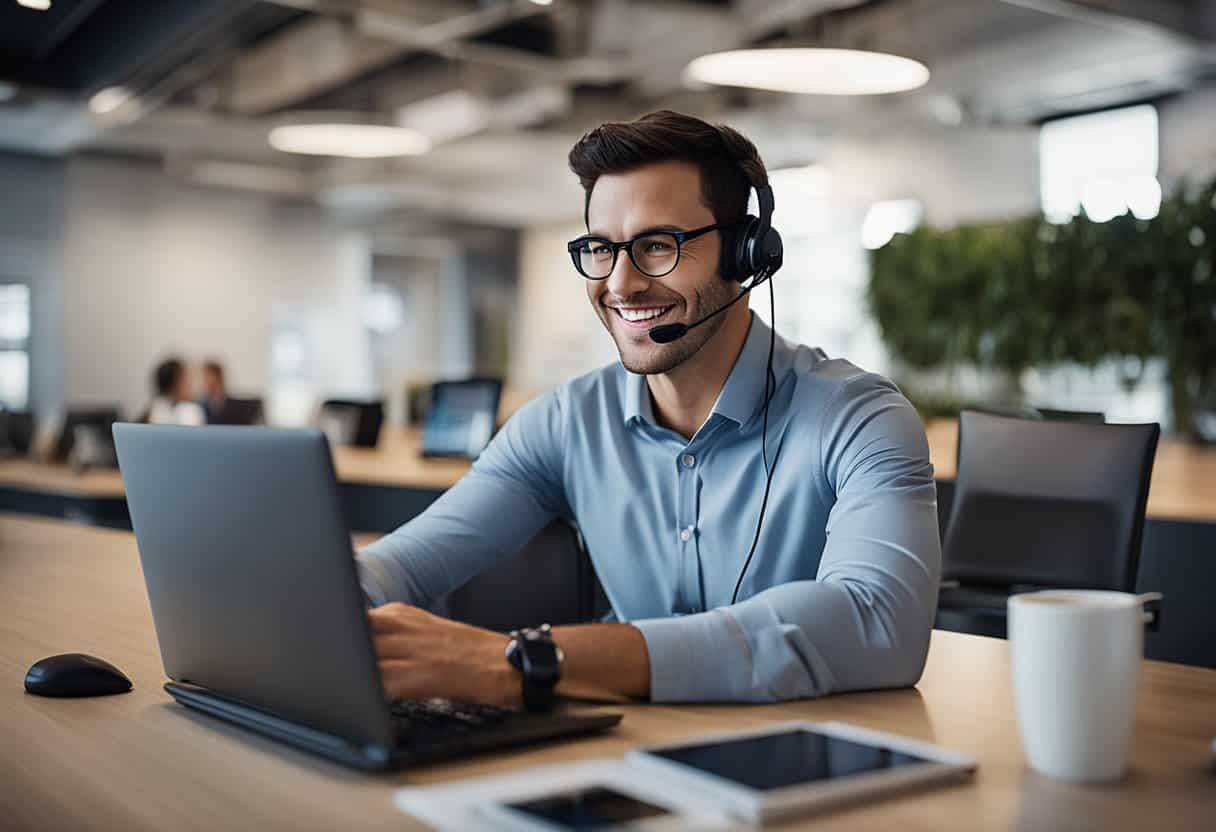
348, 422
240, 412
1091, 416
1040, 504
16, 432
550, 580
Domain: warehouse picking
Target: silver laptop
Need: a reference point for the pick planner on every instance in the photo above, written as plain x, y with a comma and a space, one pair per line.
261, 620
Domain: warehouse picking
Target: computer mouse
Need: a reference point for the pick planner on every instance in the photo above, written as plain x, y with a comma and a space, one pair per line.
75, 674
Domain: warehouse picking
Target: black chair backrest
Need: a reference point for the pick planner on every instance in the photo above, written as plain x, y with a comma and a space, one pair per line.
100, 418
16, 431
550, 580
1048, 503
371, 417
1092, 416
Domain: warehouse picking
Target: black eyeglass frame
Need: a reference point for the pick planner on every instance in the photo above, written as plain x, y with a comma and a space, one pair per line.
681, 237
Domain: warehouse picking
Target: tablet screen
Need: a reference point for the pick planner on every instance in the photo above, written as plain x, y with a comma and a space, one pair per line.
778, 760
594, 808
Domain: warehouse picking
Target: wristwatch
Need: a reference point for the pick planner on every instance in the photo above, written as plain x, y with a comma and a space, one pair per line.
532, 652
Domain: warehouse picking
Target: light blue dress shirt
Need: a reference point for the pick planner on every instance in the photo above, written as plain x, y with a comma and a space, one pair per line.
841, 592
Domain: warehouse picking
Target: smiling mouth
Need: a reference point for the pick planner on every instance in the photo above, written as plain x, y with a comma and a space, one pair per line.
642, 317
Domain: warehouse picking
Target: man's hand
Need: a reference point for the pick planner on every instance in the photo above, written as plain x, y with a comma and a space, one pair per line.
422, 655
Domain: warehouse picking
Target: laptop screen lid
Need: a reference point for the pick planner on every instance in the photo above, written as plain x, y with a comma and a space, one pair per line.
251, 574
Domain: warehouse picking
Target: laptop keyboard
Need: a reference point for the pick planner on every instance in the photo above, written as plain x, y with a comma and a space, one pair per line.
427, 721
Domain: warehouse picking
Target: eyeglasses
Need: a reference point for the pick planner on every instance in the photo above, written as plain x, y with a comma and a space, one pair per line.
654, 253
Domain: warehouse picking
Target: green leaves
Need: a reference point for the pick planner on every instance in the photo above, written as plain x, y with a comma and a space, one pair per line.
1026, 293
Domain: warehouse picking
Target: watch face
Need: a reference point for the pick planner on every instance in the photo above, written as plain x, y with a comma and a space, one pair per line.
541, 656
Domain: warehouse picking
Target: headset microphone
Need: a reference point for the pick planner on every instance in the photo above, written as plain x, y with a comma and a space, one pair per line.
667, 333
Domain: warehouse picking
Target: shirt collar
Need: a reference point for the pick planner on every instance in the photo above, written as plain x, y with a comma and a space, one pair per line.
742, 396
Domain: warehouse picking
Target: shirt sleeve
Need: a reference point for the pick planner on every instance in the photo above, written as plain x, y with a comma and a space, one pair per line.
513, 490
865, 621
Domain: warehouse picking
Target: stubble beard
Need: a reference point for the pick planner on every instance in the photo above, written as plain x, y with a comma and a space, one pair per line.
655, 359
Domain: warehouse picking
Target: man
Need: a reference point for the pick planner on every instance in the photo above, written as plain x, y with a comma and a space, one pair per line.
658, 461
215, 393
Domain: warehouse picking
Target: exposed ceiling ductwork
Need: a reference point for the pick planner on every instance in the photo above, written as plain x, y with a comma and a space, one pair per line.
483, 78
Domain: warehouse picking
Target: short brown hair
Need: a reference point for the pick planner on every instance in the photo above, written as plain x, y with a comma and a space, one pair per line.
729, 163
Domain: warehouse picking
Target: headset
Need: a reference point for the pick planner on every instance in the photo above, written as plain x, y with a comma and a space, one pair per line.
753, 251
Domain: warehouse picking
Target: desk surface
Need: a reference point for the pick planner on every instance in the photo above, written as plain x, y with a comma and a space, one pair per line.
397, 461
138, 761
1183, 485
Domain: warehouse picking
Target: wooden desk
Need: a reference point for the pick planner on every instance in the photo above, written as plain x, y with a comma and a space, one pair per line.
397, 461
1183, 486
139, 762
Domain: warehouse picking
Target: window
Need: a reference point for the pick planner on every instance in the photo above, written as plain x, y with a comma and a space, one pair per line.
14, 346
1104, 163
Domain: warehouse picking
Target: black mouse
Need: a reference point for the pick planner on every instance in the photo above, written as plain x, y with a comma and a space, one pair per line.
75, 674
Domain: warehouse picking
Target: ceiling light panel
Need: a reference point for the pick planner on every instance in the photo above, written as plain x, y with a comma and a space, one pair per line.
354, 141
810, 71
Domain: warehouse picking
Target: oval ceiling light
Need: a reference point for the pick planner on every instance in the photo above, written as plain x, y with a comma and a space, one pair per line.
355, 141
109, 100
810, 71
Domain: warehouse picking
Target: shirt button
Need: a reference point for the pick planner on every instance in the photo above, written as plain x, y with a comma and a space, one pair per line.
689, 460
686, 534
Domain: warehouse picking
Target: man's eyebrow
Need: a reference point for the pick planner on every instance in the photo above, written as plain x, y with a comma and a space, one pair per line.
650, 229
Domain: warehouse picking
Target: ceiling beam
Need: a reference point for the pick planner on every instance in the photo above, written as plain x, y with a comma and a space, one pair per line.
307, 59
354, 38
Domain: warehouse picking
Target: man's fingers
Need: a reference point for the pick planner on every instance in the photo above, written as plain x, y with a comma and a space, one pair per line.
394, 618
382, 623
403, 679
392, 647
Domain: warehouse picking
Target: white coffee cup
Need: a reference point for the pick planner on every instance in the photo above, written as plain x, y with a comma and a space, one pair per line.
1076, 658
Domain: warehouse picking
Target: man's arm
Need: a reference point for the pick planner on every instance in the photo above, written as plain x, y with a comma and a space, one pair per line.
513, 490
865, 622
422, 655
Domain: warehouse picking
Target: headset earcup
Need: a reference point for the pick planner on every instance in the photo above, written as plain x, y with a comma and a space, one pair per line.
743, 263
771, 251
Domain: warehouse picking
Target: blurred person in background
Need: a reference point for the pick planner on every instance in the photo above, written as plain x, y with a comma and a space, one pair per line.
215, 394
172, 403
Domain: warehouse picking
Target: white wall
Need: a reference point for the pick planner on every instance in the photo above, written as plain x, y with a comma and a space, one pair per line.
1188, 125
959, 175
153, 266
558, 335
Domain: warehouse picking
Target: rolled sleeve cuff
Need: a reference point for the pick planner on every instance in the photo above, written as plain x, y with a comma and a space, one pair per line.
372, 578
696, 658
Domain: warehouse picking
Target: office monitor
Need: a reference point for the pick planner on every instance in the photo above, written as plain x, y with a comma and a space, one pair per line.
237, 411
97, 422
461, 418
352, 422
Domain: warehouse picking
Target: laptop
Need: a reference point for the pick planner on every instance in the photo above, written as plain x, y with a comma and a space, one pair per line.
258, 610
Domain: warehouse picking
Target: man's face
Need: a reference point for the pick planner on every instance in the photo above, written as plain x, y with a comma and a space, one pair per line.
213, 385
662, 196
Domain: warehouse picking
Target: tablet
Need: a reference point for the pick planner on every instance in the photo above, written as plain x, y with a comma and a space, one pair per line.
795, 768
599, 807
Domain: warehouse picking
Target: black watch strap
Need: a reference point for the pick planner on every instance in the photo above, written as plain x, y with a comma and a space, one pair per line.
532, 652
